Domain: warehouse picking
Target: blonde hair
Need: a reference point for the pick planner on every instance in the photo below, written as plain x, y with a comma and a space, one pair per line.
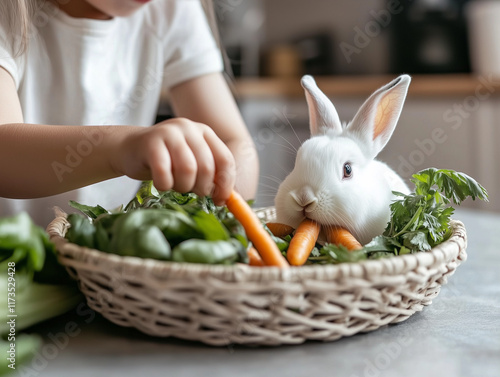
17, 16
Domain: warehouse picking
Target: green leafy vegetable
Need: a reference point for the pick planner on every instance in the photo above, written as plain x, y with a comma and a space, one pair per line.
175, 225
421, 220
28, 265
92, 212
82, 232
158, 225
22, 242
146, 241
211, 227
209, 252
340, 254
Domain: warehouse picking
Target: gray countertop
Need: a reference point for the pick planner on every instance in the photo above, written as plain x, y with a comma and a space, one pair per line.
458, 335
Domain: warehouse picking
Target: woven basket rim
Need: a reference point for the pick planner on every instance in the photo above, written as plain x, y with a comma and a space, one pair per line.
452, 248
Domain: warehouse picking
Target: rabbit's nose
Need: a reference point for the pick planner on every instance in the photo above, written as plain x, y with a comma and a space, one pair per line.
305, 198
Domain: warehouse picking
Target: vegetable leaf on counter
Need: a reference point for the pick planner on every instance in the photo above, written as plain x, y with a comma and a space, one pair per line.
23, 243
32, 279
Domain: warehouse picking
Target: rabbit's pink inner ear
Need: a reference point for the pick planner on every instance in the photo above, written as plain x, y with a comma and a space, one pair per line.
314, 118
387, 111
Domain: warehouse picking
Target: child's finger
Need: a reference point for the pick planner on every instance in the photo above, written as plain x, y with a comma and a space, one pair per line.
225, 167
160, 166
184, 168
206, 165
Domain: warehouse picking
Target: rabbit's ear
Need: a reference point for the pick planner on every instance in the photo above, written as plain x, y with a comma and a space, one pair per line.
376, 120
322, 113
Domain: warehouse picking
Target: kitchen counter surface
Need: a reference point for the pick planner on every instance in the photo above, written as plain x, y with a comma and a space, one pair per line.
458, 335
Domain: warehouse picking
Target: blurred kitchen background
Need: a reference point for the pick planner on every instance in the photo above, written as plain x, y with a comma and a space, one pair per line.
451, 48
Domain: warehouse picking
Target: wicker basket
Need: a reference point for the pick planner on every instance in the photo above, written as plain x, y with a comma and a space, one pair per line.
219, 305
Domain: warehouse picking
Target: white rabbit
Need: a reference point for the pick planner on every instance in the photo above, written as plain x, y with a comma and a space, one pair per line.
336, 179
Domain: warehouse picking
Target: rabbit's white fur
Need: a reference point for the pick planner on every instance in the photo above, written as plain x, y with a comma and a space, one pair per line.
317, 189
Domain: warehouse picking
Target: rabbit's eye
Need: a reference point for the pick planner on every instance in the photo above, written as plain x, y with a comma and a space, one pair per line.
347, 170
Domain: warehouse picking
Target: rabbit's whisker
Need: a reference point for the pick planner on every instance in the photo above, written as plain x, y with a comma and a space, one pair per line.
268, 186
272, 179
286, 148
290, 124
288, 142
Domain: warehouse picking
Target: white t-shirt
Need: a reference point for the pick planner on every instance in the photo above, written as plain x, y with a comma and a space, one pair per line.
93, 72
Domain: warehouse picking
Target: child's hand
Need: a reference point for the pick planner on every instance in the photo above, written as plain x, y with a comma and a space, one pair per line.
178, 154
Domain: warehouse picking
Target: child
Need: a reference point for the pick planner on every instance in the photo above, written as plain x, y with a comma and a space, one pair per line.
79, 80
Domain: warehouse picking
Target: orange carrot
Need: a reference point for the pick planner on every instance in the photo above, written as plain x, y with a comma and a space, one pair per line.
256, 233
303, 242
254, 258
341, 236
280, 230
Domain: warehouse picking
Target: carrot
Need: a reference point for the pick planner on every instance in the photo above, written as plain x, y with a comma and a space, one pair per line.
254, 258
303, 242
280, 230
341, 236
256, 233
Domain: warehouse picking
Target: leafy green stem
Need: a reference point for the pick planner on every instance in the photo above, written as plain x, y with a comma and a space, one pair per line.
409, 223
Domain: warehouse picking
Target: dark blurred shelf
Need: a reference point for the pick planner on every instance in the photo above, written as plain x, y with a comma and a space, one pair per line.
351, 86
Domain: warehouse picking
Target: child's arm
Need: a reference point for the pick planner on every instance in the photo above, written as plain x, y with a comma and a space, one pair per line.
207, 99
41, 160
